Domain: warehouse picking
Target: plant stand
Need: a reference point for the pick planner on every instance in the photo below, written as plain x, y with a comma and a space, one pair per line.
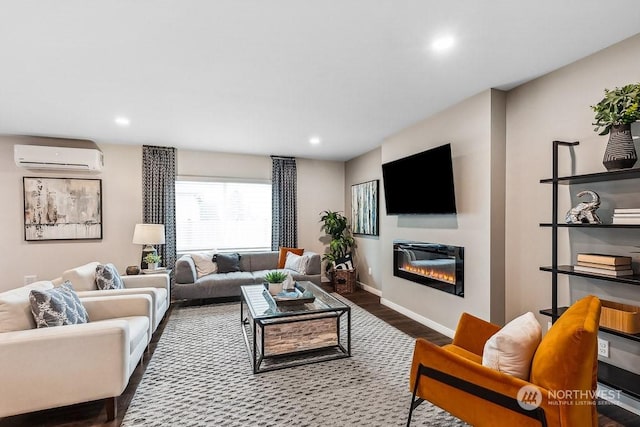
344, 281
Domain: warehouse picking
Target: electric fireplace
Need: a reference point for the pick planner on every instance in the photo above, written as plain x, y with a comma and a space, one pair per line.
432, 264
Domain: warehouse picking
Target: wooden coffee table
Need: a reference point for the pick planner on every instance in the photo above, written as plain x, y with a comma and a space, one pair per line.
284, 336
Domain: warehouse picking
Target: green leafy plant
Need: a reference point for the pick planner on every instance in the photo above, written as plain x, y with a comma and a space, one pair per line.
341, 243
275, 276
152, 258
618, 107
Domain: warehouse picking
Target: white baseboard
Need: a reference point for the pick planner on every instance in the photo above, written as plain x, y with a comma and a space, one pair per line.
418, 318
370, 289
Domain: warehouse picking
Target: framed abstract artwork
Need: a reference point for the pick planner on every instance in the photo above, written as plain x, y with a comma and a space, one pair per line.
62, 208
364, 208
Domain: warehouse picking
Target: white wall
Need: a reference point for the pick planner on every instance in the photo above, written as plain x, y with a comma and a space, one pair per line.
122, 205
320, 185
122, 209
474, 141
361, 169
556, 107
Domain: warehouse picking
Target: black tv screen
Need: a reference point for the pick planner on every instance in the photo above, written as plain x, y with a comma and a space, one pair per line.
421, 183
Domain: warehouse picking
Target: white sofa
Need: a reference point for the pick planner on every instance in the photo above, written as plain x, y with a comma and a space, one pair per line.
157, 286
56, 366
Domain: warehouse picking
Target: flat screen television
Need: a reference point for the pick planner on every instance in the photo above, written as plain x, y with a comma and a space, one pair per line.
421, 183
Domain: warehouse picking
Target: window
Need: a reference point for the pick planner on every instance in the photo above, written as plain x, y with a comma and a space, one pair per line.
222, 215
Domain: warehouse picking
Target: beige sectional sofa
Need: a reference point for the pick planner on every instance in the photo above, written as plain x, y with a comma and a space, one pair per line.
252, 268
62, 365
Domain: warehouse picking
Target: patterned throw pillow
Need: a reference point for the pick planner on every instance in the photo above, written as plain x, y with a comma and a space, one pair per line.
345, 263
227, 262
107, 277
297, 263
57, 307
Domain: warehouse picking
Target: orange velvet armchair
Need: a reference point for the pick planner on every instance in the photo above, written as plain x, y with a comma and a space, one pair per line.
563, 370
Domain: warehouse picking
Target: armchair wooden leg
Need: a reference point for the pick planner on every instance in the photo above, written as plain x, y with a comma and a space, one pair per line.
111, 405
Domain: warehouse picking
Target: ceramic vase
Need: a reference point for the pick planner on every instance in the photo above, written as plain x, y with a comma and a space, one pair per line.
275, 288
620, 152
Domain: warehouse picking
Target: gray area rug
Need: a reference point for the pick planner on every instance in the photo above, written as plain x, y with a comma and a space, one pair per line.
200, 375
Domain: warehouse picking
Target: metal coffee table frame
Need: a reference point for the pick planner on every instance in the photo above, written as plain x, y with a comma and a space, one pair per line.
326, 306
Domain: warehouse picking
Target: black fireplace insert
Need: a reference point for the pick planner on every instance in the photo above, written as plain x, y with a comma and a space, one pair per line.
431, 264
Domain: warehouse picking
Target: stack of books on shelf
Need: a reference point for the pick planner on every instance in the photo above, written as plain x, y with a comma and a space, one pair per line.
611, 265
626, 216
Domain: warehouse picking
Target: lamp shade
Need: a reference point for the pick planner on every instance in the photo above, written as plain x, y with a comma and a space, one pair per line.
148, 234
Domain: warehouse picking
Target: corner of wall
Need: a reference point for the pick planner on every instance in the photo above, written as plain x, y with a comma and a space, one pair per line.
498, 204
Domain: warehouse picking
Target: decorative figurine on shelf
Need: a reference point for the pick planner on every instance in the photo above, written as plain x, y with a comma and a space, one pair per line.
585, 212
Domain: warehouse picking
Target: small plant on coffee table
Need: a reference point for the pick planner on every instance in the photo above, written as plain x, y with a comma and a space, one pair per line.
275, 276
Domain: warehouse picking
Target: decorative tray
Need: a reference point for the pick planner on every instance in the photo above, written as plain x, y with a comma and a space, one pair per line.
291, 298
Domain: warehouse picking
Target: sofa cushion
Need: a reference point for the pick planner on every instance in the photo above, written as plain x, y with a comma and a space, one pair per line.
138, 330
204, 263
83, 277
282, 257
297, 263
57, 307
15, 309
221, 285
107, 277
227, 263
511, 349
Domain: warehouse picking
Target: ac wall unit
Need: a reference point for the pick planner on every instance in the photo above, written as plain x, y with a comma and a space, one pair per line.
58, 158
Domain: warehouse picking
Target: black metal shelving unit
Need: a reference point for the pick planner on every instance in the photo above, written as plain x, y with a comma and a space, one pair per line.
609, 375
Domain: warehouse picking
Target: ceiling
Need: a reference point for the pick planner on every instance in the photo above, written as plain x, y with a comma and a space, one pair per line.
262, 77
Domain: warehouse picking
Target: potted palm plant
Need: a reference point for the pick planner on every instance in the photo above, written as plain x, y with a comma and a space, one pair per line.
341, 243
614, 115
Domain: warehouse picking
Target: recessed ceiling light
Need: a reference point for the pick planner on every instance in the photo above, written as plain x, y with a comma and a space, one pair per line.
122, 121
442, 43
315, 140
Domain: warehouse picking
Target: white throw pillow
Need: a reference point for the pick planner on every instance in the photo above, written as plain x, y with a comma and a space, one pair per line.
204, 263
82, 277
511, 349
296, 263
15, 308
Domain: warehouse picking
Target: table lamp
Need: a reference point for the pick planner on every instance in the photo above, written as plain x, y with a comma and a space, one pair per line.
148, 235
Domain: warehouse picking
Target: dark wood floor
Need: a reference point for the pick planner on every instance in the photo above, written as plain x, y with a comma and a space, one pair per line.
93, 413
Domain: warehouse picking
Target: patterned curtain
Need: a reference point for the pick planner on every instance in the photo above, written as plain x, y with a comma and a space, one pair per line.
159, 196
284, 230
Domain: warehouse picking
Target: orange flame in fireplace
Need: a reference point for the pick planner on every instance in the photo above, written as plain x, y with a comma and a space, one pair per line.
431, 273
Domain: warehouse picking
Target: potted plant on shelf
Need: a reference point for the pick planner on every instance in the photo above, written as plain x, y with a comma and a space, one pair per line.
341, 243
152, 260
614, 115
274, 281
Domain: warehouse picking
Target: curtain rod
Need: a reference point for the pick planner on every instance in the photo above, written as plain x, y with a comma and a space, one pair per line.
283, 157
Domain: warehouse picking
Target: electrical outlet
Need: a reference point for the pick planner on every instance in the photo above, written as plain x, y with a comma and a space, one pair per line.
603, 347
369, 271
30, 279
